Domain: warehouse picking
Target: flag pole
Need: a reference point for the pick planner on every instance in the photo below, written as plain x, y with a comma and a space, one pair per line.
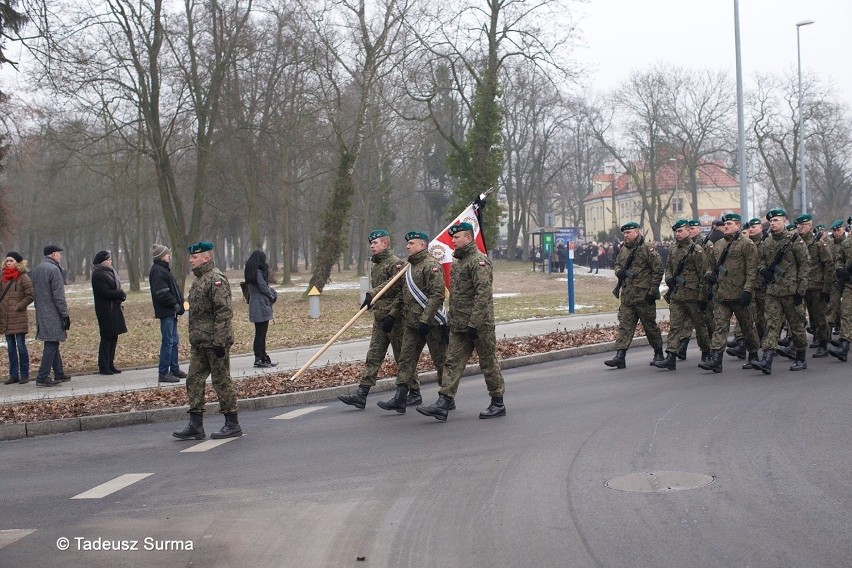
388, 284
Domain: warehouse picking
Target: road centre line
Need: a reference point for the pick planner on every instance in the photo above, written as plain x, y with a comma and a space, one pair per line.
206, 445
296, 413
9, 536
112, 486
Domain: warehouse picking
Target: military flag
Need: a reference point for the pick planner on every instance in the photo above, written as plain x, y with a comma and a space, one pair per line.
441, 247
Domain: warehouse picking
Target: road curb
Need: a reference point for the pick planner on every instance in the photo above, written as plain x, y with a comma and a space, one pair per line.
21, 430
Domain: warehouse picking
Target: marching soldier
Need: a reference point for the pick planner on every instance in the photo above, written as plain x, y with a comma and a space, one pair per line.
687, 295
820, 270
639, 271
731, 275
838, 235
754, 231
210, 340
471, 318
843, 273
783, 260
420, 308
385, 332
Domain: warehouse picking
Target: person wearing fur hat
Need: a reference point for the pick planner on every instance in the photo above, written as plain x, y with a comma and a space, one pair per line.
16, 293
167, 298
106, 287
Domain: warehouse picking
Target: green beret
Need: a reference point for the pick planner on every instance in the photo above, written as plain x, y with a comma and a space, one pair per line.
201, 246
791, 226
837, 224
416, 235
694, 223
458, 227
377, 234
680, 223
776, 213
819, 228
755, 221
630, 225
732, 217
804, 218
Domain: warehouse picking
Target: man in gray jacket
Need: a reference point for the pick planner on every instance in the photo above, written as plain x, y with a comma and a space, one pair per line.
52, 318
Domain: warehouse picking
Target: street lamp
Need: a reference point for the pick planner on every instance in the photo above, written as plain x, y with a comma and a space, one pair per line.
802, 182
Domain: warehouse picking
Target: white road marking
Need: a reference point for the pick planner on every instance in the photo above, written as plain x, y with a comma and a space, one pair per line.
296, 413
9, 536
207, 445
112, 486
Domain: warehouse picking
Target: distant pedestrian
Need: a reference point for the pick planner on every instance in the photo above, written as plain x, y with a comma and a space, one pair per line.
52, 317
261, 298
210, 338
167, 298
109, 297
594, 253
16, 293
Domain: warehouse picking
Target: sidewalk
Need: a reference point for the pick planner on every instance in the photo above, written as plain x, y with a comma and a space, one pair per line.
287, 359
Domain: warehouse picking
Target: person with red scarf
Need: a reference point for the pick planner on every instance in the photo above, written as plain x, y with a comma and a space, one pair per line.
16, 293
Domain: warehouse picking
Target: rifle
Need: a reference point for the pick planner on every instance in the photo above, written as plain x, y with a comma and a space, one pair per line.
776, 270
679, 280
626, 270
720, 268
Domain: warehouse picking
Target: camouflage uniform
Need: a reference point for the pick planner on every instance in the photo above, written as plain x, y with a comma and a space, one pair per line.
820, 271
471, 306
428, 276
791, 279
386, 265
684, 311
210, 317
842, 262
639, 293
737, 275
833, 310
757, 305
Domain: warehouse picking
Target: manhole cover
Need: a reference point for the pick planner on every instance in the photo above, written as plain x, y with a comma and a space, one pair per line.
659, 481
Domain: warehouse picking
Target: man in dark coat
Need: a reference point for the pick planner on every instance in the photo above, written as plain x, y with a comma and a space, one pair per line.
106, 288
52, 317
168, 305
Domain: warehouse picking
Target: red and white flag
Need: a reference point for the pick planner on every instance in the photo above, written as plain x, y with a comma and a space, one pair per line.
441, 247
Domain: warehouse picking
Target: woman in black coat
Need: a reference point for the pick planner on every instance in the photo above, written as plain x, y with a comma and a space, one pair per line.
109, 296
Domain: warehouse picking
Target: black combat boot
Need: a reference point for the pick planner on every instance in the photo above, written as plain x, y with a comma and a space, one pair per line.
716, 361
765, 364
731, 343
439, 409
658, 356
670, 362
398, 401
194, 430
231, 429
681, 349
800, 364
709, 364
358, 399
785, 341
752, 357
738, 351
822, 350
704, 356
789, 352
414, 398
495, 409
842, 351
618, 361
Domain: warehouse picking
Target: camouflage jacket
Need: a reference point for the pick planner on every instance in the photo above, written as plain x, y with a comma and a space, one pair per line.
645, 274
834, 249
471, 290
692, 287
210, 310
821, 266
738, 273
428, 276
844, 258
791, 276
385, 266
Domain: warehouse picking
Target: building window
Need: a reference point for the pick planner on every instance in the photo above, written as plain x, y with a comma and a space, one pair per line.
677, 205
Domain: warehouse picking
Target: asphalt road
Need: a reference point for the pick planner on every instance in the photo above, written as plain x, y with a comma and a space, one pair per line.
329, 484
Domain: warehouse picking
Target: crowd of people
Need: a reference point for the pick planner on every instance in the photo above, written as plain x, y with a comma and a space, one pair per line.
767, 274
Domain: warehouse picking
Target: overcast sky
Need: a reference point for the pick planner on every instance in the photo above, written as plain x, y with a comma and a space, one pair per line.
627, 35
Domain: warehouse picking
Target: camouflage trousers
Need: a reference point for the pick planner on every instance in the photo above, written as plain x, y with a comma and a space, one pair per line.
722, 322
631, 314
458, 354
846, 316
412, 347
777, 309
684, 317
816, 313
203, 363
833, 310
379, 343
757, 307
